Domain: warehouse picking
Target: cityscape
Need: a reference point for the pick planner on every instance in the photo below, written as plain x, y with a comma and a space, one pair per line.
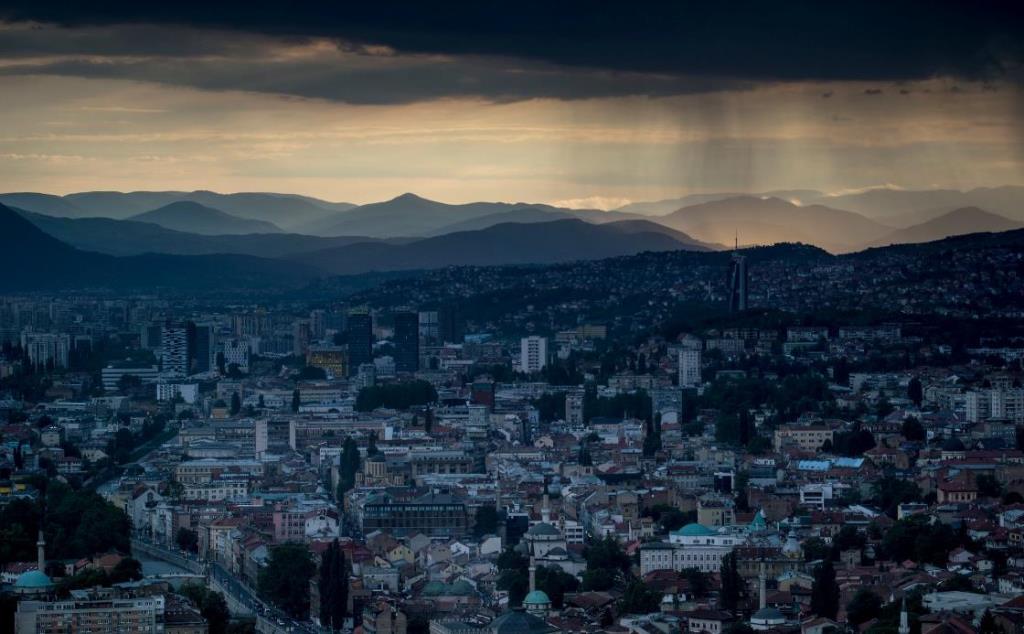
283, 351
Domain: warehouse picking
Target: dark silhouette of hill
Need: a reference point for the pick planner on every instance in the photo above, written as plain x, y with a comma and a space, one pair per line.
411, 215
511, 243
129, 237
283, 210
193, 217
37, 261
957, 222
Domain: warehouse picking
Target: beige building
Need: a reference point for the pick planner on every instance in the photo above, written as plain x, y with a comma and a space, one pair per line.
806, 437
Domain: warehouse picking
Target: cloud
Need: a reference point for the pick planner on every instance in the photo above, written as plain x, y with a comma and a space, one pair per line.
314, 69
604, 203
745, 40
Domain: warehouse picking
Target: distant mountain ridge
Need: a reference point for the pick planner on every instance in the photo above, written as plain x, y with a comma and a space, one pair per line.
964, 221
129, 237
43, 262
510, 243
193, 217
771, 220
283, 210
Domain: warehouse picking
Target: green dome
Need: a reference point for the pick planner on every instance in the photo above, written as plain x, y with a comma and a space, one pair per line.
33, 580
695, 530
537, 597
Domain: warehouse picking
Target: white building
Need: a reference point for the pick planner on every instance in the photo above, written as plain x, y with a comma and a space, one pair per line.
689, 367
236, 352
533, 354
692, 546
189, 392
46, 348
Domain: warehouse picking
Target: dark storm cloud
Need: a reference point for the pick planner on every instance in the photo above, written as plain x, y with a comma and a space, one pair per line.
377, 81
801, 40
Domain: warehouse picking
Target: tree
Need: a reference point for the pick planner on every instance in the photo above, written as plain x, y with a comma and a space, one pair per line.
128, 569
864, 606
732, 583
698, 582
187, 539
349, 466
486, 520
220, 362
211, 606
913, 430
236, 404
889, 492
639, 599
371, 445
825, 591
915, 391
607, 554
989, 625
333, 586
988, 486
583, 457
285, 580
296, 400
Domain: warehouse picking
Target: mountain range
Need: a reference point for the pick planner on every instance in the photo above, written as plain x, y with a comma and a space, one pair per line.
509, 243
37, 261
189, 216
957, 222
839, 223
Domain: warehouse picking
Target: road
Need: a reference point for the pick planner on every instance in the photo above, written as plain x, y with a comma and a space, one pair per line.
238, 589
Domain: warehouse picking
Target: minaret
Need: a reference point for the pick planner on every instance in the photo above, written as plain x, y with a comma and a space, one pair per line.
904, 618
762, 583
41, 552
545, 512
533, 577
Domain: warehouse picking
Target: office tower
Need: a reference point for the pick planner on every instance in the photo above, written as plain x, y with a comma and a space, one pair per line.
450, 325
407, 341
689, 367
574, 407
150, 339
737, 283
302, 334
430, 330
360, 339
45, 349
533, 354
174, 352
203, 348
318, 323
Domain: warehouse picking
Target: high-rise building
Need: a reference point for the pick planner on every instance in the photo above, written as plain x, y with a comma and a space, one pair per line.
302, 334
45, 348
174, 348
202, 348
318, 323
533, 354
360, 339
407, 341
450, 325
737, 283
430, 328
574, 407
689, 367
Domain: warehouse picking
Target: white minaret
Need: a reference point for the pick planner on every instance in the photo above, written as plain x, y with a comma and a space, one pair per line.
762, 589
41, 552
904, 618
533, 577
545, 512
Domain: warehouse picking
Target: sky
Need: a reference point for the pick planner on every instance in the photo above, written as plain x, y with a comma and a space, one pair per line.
584, 104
